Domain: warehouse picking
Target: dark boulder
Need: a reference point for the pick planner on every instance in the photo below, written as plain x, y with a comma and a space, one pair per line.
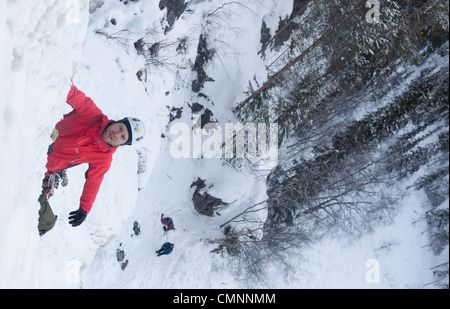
204, 202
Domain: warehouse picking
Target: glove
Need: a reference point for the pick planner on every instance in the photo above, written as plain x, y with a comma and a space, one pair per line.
77, 217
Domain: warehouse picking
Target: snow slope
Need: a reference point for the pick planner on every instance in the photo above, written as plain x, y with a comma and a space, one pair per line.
44, 45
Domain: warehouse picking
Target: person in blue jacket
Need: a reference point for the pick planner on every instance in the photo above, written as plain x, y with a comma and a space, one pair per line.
166, 248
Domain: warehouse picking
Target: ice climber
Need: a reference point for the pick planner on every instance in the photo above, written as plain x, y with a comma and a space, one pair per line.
166, 248
85, 135
167, 223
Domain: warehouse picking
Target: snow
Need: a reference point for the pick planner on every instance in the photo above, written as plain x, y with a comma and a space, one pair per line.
47, 43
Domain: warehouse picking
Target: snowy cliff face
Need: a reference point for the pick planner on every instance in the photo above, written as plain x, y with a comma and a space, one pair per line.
177, 65
40, 50
44, 45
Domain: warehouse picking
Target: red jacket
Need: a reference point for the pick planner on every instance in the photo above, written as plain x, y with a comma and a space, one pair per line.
80, 141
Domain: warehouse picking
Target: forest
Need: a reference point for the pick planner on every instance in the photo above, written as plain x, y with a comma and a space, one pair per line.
360, 97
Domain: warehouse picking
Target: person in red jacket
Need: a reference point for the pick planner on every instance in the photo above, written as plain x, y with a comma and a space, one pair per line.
85, 135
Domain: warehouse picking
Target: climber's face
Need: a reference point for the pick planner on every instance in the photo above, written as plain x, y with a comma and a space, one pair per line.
116, 134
